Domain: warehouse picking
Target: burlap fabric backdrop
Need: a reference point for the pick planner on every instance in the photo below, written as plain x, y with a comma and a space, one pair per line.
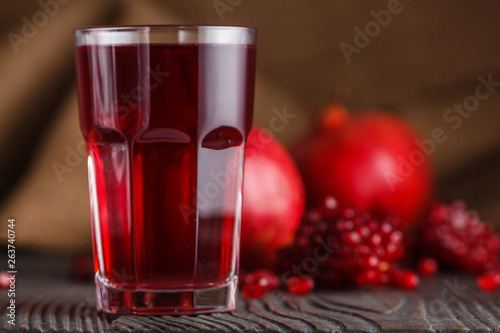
425, 58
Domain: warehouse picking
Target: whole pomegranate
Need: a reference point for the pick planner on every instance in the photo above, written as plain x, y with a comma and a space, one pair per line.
372, 161
273, 200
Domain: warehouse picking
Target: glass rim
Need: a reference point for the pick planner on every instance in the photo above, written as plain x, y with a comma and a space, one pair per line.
138, 27
165, 33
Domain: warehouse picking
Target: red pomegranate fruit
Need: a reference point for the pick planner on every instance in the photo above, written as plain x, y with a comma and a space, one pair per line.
372, 161
273, 200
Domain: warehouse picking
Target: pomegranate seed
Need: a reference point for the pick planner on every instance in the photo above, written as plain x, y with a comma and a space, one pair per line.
372, 261
4, 280
302, 285
352, 238
376, 240
254, 290
82, 267
364, 232
258, 283
396, 237
406, 279
329, 204
384, 266
384, 278
272, 280
370, 277
386, 228
427, 267
489, 281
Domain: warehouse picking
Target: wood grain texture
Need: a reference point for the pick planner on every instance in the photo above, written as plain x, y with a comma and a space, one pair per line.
47, 301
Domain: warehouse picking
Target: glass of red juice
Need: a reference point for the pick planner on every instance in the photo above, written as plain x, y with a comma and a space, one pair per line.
165, 112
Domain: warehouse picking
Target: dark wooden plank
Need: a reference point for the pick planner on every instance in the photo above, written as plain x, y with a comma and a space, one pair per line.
53, 303
69, 307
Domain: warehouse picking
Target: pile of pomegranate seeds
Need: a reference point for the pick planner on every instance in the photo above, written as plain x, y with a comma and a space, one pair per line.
337, 246
457, 238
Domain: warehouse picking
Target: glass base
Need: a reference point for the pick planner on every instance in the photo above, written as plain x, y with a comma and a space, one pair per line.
112, 299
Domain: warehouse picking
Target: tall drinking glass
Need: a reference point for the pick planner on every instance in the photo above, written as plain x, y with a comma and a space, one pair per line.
165, 112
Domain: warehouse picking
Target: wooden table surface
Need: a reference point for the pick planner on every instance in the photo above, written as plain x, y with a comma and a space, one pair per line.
48, 301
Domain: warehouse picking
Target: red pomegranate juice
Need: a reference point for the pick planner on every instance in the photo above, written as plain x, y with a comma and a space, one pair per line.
165, 127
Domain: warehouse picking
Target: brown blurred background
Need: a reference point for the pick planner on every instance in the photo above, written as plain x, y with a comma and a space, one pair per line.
424, 60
